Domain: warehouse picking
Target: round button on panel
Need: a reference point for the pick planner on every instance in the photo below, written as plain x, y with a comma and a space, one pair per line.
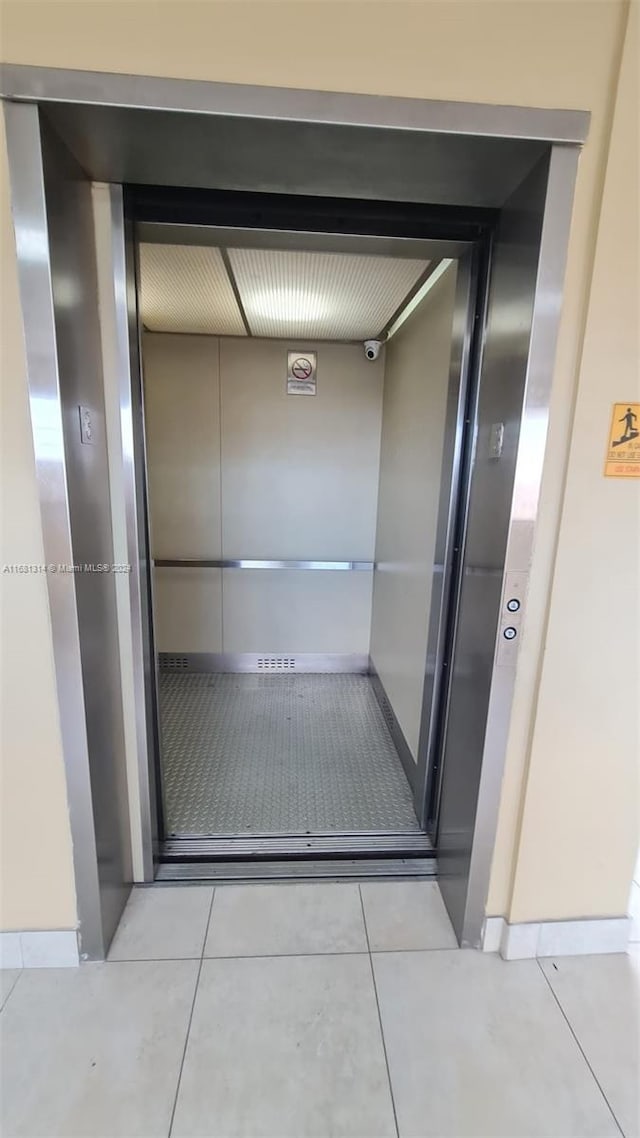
510, 633
513, 605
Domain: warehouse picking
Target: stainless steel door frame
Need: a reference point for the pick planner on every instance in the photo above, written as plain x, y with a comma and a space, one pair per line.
566, 130
516, 370
55, 242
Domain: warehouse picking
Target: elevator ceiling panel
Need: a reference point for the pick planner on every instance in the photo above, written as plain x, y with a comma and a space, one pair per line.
283, 293
320, 295
186, 288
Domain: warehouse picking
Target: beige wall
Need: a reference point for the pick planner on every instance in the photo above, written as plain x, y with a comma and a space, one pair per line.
240, 469
562, 54
415, 400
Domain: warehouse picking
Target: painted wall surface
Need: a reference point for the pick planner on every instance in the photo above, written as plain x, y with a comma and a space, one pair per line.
415, 400
240, 469
585, 753
565, 54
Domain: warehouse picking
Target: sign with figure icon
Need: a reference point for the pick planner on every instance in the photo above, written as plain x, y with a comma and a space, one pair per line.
623, 452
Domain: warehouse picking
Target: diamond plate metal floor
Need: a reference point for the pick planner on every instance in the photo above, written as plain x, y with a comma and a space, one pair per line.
246, 754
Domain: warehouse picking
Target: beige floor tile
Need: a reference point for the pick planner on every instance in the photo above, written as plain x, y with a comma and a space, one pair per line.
270, 920
406, 914
285, 1048
95, 1051
600, 996
478, 1048
164, 922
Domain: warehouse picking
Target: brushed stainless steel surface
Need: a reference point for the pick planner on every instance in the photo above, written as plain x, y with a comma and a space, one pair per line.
318, 663
455, 426
163, 233
194, 563
284, 104
545, 322
144, 733
525, 287
143, 563
327, 869
35, 279
56, 260
376, 843
395, 730
235, 152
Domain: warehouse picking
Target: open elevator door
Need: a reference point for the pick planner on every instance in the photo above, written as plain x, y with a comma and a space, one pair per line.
201, 221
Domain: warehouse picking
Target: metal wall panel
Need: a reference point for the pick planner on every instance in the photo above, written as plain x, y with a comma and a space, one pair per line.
56, 258
501, 394
415, 401
79, 351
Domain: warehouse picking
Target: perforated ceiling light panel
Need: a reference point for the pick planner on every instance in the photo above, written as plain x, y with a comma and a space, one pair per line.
320, 296
186, 288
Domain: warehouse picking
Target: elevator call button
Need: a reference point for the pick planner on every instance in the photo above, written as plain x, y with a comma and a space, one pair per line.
513, 605
510, 633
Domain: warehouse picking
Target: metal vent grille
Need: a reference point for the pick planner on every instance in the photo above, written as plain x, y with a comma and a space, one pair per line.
276, 663
173, 663
388, 712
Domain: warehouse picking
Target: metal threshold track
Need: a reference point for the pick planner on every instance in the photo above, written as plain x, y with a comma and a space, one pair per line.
327, 869
287, 847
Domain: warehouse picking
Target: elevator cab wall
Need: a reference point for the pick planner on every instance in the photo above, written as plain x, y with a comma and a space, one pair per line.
241, 470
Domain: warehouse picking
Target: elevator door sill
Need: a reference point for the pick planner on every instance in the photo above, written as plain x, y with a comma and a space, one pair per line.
328, 869
230, 847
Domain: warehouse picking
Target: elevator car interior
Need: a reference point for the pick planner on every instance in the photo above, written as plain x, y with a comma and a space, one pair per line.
312, 340
294, 406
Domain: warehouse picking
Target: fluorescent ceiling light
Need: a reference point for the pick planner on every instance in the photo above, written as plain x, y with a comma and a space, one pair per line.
419, 296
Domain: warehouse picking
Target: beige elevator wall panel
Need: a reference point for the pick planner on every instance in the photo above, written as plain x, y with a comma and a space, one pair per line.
299, 473
293, 610
182, 419
188, 610
415, 394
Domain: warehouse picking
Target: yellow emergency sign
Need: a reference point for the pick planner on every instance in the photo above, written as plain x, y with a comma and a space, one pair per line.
623, 451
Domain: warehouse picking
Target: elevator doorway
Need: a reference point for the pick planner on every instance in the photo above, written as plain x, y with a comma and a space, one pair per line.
300, 451
462, 175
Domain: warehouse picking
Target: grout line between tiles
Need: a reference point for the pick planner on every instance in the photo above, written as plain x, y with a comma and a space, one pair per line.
188, 1031
375, 992
11, 990
206, 931
579, 1045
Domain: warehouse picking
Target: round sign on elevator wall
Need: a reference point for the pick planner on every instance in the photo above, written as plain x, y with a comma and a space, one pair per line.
301, 367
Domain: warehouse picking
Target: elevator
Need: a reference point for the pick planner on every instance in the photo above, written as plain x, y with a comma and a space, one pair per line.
294, 421
253, 593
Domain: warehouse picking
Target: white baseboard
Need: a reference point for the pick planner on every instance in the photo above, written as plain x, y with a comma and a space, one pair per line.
50, 948
555, 938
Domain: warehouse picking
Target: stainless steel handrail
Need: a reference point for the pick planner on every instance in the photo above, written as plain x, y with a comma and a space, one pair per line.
213, 563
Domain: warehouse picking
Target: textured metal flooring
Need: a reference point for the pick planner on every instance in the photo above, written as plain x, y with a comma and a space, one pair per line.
245, 754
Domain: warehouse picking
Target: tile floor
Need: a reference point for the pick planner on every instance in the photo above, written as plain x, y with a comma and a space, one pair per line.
316, 1011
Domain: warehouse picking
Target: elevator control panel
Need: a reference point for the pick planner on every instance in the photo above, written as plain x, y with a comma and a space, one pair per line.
513, 597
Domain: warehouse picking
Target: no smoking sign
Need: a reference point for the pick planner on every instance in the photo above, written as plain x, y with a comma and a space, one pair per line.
301, 373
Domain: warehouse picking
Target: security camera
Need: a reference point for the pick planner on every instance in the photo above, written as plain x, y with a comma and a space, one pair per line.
372, 349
